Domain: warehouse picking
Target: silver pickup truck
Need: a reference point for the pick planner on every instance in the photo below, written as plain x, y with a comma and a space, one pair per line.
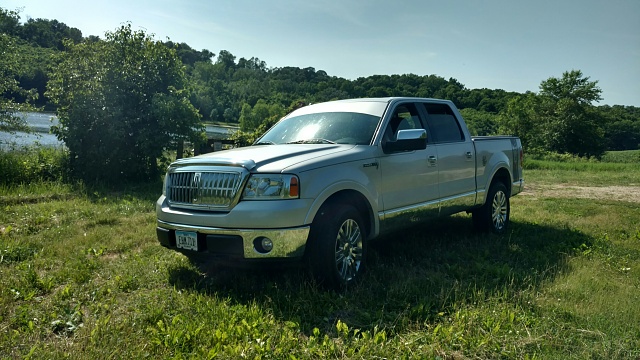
330, 177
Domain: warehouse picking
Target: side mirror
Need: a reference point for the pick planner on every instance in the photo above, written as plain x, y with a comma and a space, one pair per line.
407, 140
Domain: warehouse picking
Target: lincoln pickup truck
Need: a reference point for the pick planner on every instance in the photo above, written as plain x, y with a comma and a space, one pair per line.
330, 177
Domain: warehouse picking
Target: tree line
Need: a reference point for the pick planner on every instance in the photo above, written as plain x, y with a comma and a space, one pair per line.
135, 91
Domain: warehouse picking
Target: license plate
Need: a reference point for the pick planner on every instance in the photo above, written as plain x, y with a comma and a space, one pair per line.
187, 240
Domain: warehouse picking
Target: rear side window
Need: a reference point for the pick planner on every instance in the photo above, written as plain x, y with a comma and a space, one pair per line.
443, 124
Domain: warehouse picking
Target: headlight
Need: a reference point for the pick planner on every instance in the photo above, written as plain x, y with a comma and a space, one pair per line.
271, 187
165, 183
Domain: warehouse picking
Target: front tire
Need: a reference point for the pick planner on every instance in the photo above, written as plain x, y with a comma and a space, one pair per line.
494, 214
338, 246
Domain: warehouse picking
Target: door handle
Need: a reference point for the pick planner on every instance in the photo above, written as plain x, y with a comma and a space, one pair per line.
469, 154
433, 160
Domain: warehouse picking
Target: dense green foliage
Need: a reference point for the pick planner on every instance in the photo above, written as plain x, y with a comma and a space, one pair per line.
32, 164
561, 118
82, 276
629, 156
40, 32
121, 104
13, 97
34, 48
622, 127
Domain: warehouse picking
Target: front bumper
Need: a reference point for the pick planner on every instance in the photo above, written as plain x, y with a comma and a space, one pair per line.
240, 243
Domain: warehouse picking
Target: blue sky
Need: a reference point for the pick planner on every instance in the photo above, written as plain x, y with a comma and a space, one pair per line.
497, 44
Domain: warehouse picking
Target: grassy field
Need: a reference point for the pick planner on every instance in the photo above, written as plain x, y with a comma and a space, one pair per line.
82, 276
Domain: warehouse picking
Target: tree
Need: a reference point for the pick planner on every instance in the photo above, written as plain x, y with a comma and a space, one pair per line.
480, 123
10, 89
520, 118
49, 33
227, 59
9, 22
622, 129
190, 56
254, 122
211, 93
561, 118
571, 123
252, 118
247, 121
122, 103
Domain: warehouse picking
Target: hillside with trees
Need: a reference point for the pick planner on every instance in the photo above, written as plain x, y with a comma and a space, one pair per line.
562, 117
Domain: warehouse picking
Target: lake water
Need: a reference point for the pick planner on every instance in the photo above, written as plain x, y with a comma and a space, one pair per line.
41, 123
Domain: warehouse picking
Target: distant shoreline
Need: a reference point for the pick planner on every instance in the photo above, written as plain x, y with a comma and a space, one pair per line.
40, 123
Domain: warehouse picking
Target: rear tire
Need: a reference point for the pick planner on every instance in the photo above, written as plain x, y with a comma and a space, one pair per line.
494, 214
338, 246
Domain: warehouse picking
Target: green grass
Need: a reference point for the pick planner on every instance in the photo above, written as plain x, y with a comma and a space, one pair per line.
629, 156
585, 173
82, 276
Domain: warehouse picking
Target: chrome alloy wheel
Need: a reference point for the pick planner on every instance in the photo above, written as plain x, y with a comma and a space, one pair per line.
349, 250
499, 210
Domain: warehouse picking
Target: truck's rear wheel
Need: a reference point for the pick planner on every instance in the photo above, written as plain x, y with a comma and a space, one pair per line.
494, 214
338, 246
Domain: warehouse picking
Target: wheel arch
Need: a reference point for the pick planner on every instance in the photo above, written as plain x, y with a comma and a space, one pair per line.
357, 200
500, 173
503, 175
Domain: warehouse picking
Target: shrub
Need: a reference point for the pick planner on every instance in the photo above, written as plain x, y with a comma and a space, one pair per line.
33, 163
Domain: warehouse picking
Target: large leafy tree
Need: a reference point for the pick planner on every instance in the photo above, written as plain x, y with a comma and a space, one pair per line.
571, 123
561, 118
122, 103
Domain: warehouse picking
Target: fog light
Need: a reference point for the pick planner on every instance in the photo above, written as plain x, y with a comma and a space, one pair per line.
267, 244
263, 245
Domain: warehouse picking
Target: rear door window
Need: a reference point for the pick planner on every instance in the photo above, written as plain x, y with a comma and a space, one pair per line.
442, 123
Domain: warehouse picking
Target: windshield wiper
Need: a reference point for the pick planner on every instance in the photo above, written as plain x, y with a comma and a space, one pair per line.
312, 141
265, 143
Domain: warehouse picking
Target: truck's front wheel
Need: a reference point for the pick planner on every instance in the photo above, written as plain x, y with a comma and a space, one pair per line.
494, 214
338, 246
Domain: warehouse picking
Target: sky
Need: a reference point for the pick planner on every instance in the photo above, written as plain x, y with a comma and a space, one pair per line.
512, 45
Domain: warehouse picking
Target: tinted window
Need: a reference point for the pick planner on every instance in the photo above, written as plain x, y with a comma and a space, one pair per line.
405, 116
443, 125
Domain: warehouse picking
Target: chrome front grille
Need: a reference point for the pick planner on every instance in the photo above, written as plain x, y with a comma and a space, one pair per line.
203, 189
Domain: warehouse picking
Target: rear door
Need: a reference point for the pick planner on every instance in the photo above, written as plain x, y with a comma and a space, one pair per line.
455, 157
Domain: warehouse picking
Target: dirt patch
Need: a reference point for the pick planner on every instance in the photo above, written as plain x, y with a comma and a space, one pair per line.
616, 193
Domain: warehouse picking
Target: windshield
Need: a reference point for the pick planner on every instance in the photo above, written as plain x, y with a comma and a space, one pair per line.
323, 128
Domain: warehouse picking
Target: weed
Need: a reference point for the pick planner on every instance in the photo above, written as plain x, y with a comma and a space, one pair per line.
67, 322
14, 252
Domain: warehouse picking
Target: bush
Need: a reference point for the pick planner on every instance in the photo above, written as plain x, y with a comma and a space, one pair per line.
121, 104
558, 157
34, 163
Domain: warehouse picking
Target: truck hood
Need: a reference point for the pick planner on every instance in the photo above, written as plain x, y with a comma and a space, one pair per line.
275, 158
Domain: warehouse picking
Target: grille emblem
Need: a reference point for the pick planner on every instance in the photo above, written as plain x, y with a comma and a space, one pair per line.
195, 185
